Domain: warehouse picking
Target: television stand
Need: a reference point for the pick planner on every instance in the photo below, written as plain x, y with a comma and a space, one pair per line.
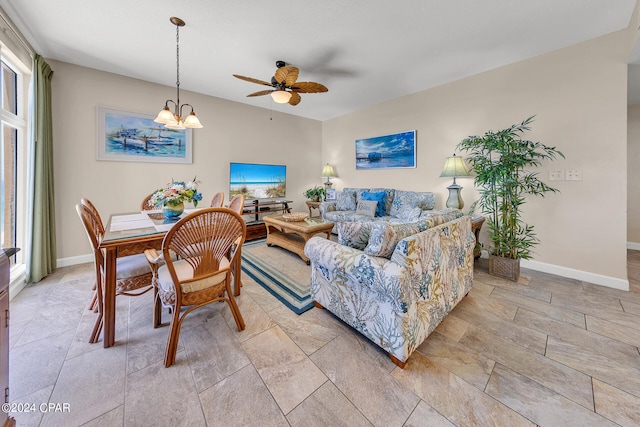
254, 210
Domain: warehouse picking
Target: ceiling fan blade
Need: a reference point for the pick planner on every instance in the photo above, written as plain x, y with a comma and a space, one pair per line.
262, 92
252, 80
287, 75
295, 99
309, 87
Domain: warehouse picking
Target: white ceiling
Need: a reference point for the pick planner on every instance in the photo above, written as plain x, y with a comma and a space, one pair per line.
365, 51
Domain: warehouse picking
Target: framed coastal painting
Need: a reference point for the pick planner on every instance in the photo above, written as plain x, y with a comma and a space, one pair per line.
397, 150
135, 137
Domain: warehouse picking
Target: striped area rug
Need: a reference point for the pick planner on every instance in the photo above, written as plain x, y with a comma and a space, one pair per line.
284, 274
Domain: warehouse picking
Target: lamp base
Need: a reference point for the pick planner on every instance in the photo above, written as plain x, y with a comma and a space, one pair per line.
455, 198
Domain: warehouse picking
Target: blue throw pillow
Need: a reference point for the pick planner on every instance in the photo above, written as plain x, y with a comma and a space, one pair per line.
380, 197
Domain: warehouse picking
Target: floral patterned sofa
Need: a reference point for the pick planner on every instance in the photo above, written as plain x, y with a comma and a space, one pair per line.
401, 285
398, 206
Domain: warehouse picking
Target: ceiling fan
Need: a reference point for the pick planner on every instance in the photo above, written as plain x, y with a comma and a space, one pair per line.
285, 88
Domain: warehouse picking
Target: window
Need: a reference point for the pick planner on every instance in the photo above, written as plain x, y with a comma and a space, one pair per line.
9, 160
12, 155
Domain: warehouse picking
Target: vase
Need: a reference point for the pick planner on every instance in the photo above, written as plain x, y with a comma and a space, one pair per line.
172, 210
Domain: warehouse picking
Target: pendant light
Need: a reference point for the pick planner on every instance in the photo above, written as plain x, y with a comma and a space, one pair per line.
165, 116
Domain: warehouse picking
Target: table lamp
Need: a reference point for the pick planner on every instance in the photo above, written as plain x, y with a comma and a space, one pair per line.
453, 167
328, 172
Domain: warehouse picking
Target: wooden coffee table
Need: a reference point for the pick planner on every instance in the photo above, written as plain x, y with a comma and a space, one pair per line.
292, 236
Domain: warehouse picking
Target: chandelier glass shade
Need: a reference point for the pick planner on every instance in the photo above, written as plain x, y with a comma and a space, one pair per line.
175, 119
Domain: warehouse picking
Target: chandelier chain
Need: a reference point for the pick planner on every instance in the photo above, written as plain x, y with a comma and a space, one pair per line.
178, 55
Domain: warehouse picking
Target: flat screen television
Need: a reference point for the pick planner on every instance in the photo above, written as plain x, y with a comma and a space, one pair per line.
257, 181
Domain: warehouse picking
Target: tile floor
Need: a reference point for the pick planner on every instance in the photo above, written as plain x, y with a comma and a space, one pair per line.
548, 350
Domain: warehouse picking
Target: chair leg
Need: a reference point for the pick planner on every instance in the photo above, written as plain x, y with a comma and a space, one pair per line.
172, 340
236, 312
97, 329
157, 308
93, 305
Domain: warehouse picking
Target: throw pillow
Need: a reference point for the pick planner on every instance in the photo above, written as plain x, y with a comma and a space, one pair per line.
380, 198
346, 201
390, 195
354, 234
411, 199
366, 207
409, 214
384, 237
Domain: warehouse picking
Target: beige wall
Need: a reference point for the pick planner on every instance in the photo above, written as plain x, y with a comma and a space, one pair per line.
633, 176
578, 95
232, 132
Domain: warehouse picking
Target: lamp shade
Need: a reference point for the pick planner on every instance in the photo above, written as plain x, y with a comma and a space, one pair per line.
192, 121
281, 96
328, 171
164, 116
454, 166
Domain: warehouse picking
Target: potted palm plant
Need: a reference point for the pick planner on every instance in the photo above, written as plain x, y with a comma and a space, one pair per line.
502, 163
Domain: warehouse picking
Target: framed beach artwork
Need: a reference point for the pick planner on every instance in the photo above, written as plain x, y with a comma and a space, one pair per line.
389, 151
135, 137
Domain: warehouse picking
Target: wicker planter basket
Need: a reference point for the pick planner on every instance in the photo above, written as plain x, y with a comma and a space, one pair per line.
504, 267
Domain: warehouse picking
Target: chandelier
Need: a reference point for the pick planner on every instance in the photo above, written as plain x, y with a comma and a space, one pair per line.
174, 120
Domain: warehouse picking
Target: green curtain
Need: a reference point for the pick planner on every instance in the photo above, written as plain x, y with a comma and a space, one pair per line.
41, 255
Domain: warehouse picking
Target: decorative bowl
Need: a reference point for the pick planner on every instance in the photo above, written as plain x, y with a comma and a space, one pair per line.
295, 216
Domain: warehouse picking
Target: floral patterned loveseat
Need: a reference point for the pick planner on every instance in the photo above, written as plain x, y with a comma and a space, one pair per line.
398, 292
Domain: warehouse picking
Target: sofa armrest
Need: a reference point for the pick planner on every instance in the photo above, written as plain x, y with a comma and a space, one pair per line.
343, 265
442, 256
326, 207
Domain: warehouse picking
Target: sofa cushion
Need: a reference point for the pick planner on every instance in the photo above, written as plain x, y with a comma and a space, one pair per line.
366, 207
402, 199
408, 214
356, 192
380, 197
384, 236
346, 201
354, 234
442, 216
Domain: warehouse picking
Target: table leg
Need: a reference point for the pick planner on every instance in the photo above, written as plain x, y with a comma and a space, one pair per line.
109, 310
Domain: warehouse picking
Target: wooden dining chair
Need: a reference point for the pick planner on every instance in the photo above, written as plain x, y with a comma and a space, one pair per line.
205, 245
93, 305
218, 200
236, 203
145, 206
133, 272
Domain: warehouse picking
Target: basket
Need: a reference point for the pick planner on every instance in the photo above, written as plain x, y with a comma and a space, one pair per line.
295, 216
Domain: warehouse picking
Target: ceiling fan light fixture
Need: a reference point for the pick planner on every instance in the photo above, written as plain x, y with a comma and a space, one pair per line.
281, 96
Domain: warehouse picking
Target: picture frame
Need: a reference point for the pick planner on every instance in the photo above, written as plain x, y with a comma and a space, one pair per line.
134, 137
330, 194
397, 150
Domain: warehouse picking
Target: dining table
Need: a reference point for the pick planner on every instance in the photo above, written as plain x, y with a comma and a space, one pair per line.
131, 234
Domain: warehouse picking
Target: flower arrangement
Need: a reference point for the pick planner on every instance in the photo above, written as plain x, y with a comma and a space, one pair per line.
177, 192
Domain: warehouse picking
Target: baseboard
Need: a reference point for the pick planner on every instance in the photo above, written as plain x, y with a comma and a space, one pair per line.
633, 245
18, 281
80, 259
571, 273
